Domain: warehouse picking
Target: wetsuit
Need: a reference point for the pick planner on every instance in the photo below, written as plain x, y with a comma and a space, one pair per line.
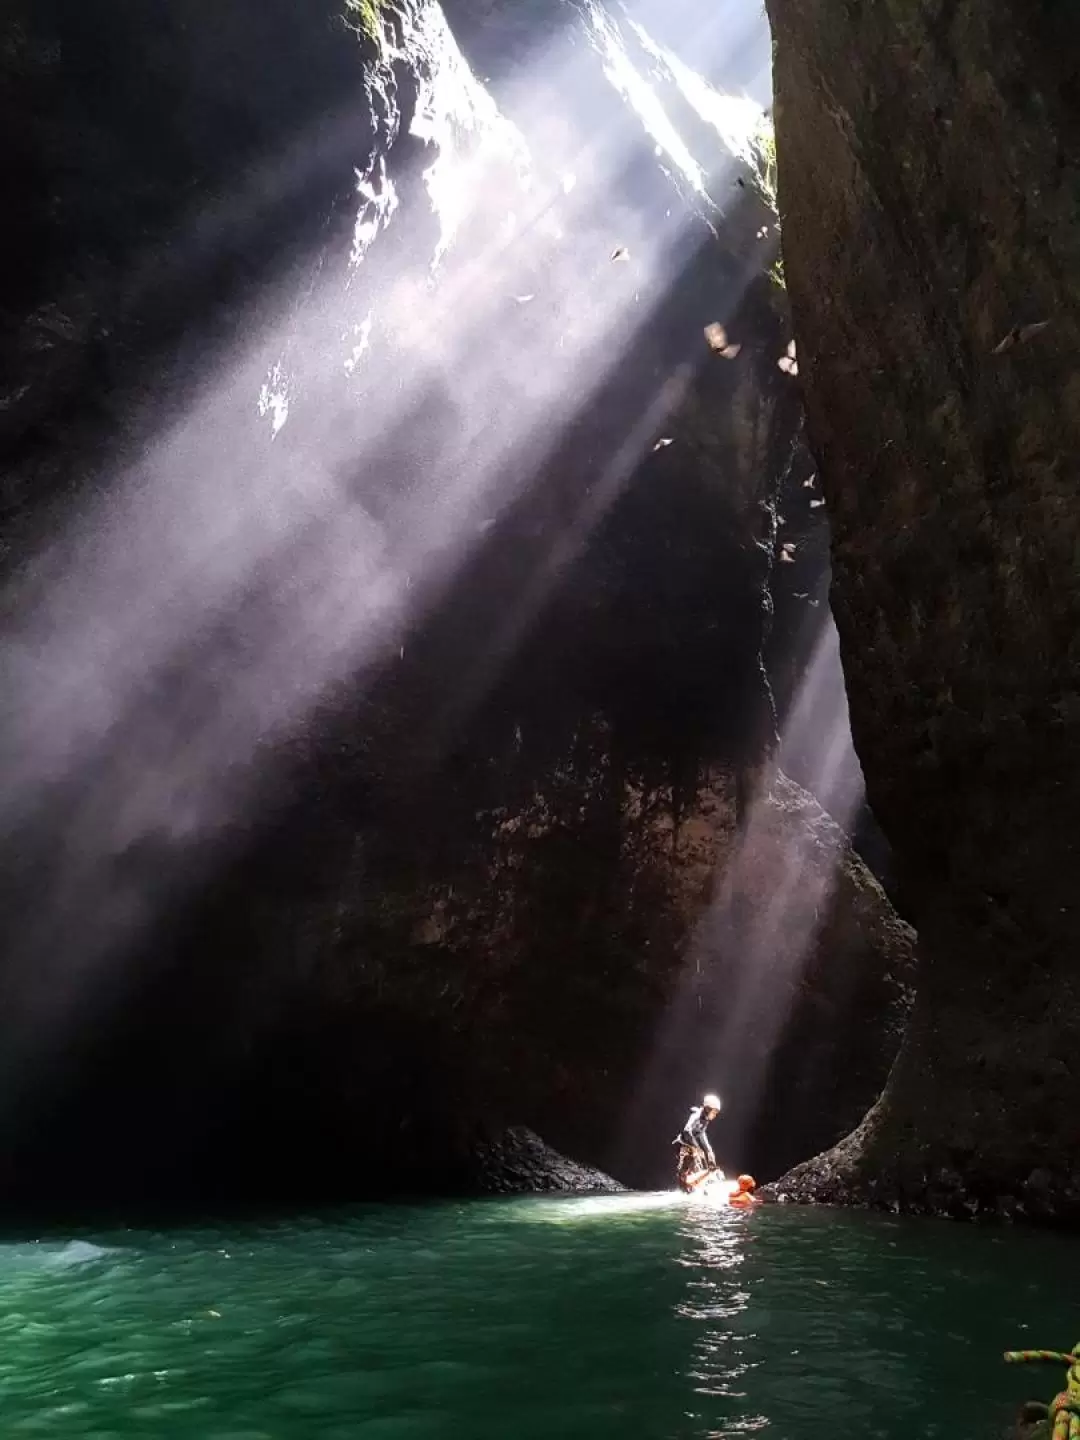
695, 1133
696, 1159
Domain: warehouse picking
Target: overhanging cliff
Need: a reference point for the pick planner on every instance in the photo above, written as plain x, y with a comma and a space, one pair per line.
929, 159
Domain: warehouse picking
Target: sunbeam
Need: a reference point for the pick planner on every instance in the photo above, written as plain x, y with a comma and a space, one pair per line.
208, 592
745, 963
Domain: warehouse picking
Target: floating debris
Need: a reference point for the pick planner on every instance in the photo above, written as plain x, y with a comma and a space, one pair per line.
663, 443
620, 253
1019, 335
717, 338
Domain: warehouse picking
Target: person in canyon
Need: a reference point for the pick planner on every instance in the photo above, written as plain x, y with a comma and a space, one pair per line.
696, 1160
743, 1197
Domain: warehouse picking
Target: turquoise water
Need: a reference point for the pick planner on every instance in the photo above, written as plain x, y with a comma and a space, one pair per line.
637, 1316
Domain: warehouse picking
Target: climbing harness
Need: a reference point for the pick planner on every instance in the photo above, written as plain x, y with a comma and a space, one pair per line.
1063, 1412
691, 1169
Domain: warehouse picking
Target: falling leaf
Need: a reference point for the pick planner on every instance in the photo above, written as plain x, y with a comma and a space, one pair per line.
663, 444
620, 253
717, 338
816, 504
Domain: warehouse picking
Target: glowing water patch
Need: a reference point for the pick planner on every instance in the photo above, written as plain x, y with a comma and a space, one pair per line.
714, 1194
573, 1210
81, 1252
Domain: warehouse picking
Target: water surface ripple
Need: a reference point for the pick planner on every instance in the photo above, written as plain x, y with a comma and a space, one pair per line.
636, 1316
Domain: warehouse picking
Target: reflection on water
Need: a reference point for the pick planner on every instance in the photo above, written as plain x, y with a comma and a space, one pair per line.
716, 1242
641, 1316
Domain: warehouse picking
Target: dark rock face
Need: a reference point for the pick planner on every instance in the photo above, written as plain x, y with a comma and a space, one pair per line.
348, 872
928, 187
518, 1162
155, 193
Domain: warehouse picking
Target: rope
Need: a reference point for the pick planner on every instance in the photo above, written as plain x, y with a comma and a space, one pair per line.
1064, 1409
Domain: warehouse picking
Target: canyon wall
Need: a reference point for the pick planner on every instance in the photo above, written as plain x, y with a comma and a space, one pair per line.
929, 197
390, 562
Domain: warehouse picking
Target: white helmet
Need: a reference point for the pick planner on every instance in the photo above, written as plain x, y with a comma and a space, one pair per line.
711, 1102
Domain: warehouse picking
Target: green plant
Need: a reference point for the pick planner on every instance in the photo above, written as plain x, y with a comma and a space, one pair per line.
763, 163
763, 171
365, 17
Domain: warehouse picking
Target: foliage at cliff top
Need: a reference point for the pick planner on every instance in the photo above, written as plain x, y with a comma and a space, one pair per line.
366, 17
